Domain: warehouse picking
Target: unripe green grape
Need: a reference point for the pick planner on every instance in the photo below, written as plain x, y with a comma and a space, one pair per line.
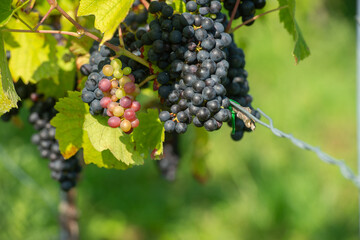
120, 93
118, 73
108, 70
116, 64
124, 80
127, 71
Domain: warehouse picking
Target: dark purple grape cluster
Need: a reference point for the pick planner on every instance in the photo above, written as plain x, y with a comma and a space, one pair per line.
197, 95
64, 171
246, 9
168, 165
237, 87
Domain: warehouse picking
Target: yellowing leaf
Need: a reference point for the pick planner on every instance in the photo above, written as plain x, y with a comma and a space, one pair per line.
103, 159
150, 133
8, 96
104, 137
69, 123
108, 13
33, 55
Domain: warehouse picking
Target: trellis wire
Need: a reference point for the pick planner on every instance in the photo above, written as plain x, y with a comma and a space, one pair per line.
344, 169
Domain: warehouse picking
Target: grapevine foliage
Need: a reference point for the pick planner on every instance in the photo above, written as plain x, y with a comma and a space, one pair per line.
154, 74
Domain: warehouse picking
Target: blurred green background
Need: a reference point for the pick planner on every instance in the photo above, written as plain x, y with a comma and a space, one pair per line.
260, 188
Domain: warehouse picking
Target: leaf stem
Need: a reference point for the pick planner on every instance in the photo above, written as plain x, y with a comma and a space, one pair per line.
52, 7
74, 34
233, 15
256, 17
121, 37
149, 78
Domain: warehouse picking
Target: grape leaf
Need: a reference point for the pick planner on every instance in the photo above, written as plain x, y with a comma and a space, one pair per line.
103, 159
287, 17
108, 14
179, 6
69, 123
104, 137
8, 96
6, 11
67, 72
33, 57
150, 133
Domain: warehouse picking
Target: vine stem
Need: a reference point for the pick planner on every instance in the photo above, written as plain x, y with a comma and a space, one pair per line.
74, 34
233, 15
256, 17
149, 78
68, 216
145, 3
52, 7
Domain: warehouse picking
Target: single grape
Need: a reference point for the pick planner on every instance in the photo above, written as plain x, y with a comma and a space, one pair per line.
129, 87
105, 85
112, 105
164, 116
108, 70
114, 122
118, 111
127, 71
136, 106
125, 125
87, 96
135, 123
116, 64
181, 127
118, 73
125, 102
169, 126
124, 80
129, 114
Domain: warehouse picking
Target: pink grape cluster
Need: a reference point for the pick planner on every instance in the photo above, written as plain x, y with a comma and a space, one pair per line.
119, 96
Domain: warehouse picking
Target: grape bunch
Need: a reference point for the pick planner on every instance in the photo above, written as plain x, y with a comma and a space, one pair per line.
237, 87
192, 86
119, 97
64, 171
246, 9
24, 92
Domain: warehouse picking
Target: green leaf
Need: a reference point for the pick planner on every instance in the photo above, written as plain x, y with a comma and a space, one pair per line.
103, 159
33, 56
108, 14
67, 73
6, 11
179, 6
104, 137
287, 17
8, 96
150, 133
69, 123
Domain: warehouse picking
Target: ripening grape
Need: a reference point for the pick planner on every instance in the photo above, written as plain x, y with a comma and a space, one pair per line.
104, 85
125, 125
129, 87
114, 98
125, 102
114, 84
135, 123
108, 70
124, 80
109, 113
135, 105
114, 122
112, 105
132, 78
104, 102
129, 114
118, 111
